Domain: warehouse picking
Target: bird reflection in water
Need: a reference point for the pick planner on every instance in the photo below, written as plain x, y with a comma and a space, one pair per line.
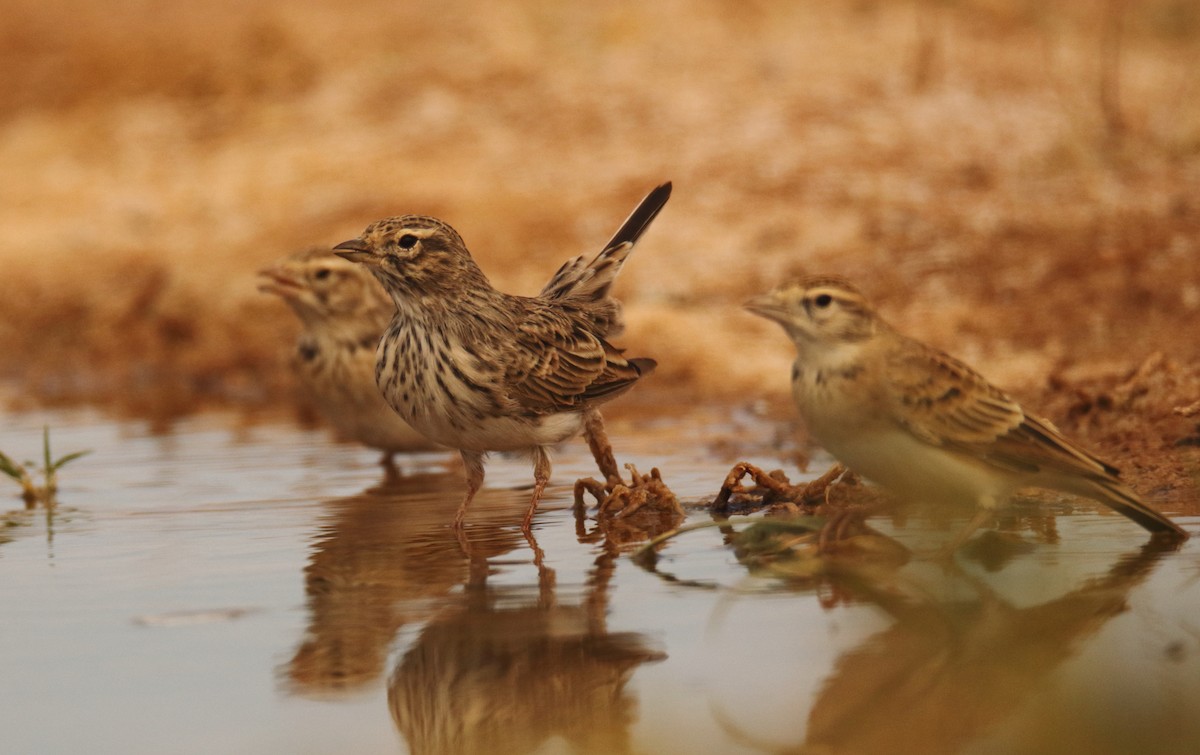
958, 659
493, 668
508, 669
382, 559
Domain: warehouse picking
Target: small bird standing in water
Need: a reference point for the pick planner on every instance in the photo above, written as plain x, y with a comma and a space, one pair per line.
480, 370
921, 423
344, 312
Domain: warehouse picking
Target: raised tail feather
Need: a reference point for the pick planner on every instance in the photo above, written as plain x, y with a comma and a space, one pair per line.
590, 282
642, 216
1124, 501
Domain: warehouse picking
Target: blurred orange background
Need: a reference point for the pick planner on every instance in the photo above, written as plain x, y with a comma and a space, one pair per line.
1016, 183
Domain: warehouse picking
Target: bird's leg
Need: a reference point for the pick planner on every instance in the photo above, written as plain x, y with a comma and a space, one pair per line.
982, 516
614, 494
541, 475
843, 520
597, 440
598, 490
473, 463
391, 473
546, 576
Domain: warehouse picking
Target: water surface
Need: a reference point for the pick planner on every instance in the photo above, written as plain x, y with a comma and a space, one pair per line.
256, 589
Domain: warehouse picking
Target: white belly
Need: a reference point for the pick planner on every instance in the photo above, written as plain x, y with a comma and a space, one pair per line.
910, 468
513, 433
856, 430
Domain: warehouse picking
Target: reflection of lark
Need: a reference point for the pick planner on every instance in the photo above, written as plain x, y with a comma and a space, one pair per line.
487, 680
948, 671
976, 662
491, 676
380, 556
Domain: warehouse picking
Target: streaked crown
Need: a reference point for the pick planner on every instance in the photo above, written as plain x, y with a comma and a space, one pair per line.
415, 255
818, 309
408, 237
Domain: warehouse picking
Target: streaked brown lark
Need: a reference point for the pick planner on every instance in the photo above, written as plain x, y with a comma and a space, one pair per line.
480, 370
344, 311
921, 423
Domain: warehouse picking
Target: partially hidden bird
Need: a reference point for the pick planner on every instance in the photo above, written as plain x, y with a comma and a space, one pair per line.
343, 312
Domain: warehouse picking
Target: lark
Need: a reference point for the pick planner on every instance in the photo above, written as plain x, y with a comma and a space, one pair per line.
344, 312
480, 370
921, 423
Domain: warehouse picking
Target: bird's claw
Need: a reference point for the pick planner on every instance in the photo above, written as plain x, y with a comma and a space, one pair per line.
616, 499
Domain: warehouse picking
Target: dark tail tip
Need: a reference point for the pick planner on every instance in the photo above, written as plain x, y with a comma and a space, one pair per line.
645, 213
1126, 502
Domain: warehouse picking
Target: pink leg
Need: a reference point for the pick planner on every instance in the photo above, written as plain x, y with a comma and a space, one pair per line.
473, 461
541, 475
391, 473
982, 517
597, 440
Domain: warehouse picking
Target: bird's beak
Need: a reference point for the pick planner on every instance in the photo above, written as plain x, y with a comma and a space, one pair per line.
768, 306
279, 282
356, 250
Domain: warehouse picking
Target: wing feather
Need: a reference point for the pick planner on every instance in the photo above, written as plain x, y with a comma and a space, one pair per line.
946, 403
562, 364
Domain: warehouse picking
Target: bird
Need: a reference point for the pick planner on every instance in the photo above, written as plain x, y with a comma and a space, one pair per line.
921, 423
344, 312
480, 370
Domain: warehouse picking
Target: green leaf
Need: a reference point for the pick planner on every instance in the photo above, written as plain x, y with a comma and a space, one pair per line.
68, 458
10, 468
46, 463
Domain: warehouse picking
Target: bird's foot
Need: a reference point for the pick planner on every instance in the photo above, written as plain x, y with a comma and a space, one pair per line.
627, 512
617, 499
774, 489
845, 516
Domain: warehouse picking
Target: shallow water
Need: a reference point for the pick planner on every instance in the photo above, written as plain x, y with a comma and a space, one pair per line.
251, 589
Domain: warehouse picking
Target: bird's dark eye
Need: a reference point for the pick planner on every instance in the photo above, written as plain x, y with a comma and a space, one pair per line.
823, 300
321, 273
408, 241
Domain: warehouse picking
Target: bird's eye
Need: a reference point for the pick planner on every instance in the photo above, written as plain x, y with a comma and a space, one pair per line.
321, 274
408, 241
823, 300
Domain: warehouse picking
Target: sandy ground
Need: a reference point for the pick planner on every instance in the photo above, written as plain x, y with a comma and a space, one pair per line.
1018, 186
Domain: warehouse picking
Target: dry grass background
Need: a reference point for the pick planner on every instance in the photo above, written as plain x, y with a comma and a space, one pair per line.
1016, 182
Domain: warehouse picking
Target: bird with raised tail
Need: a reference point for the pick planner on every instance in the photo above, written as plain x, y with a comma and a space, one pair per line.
480, 370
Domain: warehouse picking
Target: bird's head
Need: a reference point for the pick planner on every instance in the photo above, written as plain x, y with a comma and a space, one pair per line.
323, 289
411, 255
818, 311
